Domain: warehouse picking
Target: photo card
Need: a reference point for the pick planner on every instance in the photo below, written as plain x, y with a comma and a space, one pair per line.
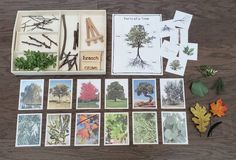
137, 45
60, 94
179, 35
182, 19
189, 51
28, 130
88, 94
144, 93
166, 28
116, 94
116, 128
174, 128
169, 50
172, 93
176, 65
58, 129
31, 94
87, 129
145, 127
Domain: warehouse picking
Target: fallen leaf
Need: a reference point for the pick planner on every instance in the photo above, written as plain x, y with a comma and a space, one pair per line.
201, 117
199, 89
218, 108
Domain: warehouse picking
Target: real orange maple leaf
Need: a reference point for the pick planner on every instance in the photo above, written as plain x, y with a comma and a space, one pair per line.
218, 108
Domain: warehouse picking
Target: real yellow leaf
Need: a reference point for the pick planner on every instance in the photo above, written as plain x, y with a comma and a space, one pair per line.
201, 117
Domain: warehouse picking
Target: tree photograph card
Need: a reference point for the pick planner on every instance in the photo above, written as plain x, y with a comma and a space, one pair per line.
176, 65
60, 94
28, 130
116, 94
116, 128
174, 128
189, 51
88, 94
137, 45
144, 93
31, 94
87, 129
58, 128
172, 93
145, 128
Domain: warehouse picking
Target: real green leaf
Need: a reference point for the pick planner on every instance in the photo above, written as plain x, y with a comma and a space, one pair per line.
199, 89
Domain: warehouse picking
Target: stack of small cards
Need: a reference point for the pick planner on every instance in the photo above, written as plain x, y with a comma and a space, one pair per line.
177, 50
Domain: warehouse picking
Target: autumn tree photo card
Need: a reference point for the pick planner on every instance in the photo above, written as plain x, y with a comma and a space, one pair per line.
116, 94
137, 45
87, 129
88, 94
144, 93
28, 130
174, 128
116, 128
58, 129
60, 94
31, 94
145, 127
172, 93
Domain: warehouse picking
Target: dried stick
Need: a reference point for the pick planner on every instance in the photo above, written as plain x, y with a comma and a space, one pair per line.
33, 44
51, 41
65, 35
43, 43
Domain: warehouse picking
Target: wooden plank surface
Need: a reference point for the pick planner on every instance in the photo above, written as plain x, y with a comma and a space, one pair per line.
213, 28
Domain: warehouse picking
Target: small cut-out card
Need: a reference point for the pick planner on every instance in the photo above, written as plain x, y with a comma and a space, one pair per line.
189, 51
166, 28
172, 93
58, 128
31, 94
88, 94
116, 128
145, 128
60, 94
116, 94
182, 19
176, 65
169, 50
28, 131
179, 35
87, 129
90, 60
174, 128
144, 94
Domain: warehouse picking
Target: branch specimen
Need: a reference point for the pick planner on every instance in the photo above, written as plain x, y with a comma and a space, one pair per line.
35, 61
70, 61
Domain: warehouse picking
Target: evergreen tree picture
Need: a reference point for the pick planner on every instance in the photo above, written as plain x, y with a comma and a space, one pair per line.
172, 93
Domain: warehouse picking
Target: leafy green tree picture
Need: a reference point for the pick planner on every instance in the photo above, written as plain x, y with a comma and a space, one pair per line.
188, 51
146, 89
116, 128
60, 90
144, 128
137, 38
29, 130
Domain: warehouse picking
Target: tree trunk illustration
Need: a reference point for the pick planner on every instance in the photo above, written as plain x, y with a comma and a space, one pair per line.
150, 97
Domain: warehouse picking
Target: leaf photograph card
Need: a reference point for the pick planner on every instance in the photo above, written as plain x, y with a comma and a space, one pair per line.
58, 128
176, 65
28, 132
116, 94
137, 45
174, 128
31, 94
144, 93
169, 50
60, 94
189, 51
182, 19
88, 94
145, 128
172, 93
87, 129
116, 128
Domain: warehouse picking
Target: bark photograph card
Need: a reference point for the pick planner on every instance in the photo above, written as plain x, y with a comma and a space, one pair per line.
60, 94
88, 94
31, 94
137, 45
145, 127
144, 93
116, 94
172, 93
87, 129
28, 131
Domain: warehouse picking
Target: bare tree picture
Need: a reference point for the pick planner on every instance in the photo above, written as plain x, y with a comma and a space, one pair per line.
137, 38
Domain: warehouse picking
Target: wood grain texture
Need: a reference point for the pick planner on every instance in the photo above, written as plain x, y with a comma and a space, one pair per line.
213, 27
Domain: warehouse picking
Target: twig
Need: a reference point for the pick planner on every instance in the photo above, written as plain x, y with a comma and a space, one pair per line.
65, 35
43, 43
51, 41
33, 44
